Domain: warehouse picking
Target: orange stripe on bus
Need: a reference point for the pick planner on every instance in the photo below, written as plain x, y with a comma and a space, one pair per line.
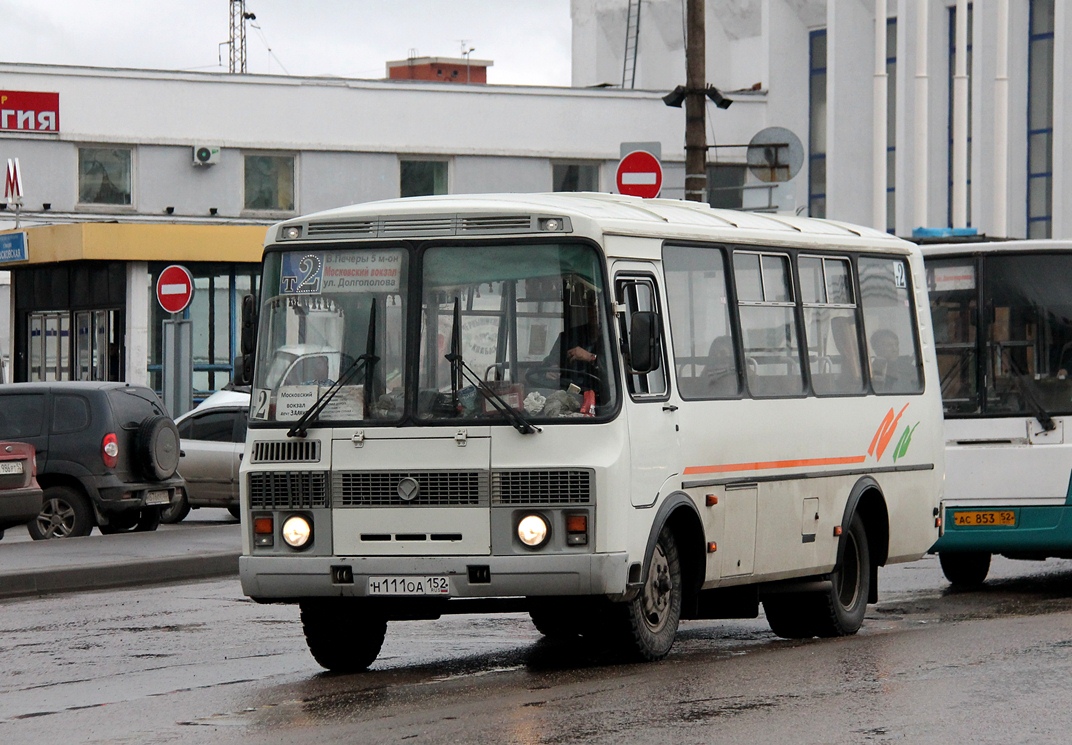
767, 465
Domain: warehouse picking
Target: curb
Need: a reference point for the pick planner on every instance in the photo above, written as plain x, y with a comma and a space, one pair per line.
87, 577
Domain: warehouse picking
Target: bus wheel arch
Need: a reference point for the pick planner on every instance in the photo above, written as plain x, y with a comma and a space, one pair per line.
678, 513
867, 501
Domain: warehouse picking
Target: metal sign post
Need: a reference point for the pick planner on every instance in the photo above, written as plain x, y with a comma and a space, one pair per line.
174, 291
178, 366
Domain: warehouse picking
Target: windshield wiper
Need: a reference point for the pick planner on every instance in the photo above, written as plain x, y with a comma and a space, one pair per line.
367, 361
460, 371
1028, 387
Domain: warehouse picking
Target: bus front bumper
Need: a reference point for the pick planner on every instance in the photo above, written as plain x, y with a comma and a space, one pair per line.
291, 578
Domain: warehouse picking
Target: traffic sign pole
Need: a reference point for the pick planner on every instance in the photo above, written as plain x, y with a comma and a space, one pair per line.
174, 291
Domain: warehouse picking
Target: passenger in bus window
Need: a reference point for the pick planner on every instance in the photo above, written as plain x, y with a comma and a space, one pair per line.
720, 370
889, 371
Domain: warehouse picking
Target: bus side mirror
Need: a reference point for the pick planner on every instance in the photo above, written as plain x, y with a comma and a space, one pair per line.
644, 341
243, 364
248, 336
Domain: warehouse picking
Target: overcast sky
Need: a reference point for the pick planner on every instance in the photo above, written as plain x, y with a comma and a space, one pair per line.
528, 40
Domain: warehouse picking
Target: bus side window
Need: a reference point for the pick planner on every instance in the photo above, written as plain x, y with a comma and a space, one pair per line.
768, 323
637, 294
830, 325
705, 356
892, 348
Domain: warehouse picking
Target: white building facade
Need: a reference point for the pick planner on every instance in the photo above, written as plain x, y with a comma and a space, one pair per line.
128, 171
944, 114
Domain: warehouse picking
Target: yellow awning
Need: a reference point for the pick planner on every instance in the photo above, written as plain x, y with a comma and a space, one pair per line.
169, 242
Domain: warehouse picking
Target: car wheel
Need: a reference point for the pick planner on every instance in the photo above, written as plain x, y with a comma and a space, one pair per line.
343, 636
148, 520
64, 514
177, 511
156, 446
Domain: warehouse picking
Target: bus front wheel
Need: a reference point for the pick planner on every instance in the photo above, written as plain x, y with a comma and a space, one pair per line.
342, 636
650, 620
965, 568
838, 611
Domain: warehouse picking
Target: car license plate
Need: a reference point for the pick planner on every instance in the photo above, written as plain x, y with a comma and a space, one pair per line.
10, 467
413, 585
985, 517
154, 498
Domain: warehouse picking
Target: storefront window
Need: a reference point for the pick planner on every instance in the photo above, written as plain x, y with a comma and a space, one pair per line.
215, 315
104, 175
269, 182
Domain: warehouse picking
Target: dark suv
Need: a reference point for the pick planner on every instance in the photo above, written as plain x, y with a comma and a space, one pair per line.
107, 454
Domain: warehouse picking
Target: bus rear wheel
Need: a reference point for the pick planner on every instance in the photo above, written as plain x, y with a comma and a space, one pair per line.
838, 611
343, 636
965, 568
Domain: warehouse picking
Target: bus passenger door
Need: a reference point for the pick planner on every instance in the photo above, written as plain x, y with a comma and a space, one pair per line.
652, 421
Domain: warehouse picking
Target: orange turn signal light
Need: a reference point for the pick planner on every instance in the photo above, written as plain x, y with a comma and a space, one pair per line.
576, 523
712, 547
711, 500
263, 526
837, 530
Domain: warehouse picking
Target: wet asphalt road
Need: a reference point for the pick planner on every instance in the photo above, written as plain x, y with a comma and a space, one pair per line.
198, 663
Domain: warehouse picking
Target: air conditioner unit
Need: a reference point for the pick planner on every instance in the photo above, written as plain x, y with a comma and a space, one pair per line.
206, 155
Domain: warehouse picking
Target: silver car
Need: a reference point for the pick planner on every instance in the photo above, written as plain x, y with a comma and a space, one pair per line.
212, 437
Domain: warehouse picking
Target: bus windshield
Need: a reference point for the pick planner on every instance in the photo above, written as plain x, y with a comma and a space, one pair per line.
1019, 363
322, 310
528, 321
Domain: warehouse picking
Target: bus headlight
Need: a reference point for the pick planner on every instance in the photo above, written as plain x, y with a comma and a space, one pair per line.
297, 531
533, 530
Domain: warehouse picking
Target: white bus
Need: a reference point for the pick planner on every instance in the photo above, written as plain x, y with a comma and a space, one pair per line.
611, 413
1002, 316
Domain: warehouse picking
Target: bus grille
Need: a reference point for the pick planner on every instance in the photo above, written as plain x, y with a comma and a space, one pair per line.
288, 490
437, 489
541, 487
286, 451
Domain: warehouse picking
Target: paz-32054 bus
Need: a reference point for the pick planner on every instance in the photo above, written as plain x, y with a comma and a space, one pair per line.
607, 412
1002, 316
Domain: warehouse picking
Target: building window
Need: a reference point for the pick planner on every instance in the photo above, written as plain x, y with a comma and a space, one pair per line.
817, 124
1040, 121
422, 178
575, 177
952, 78
269, 182
104, 175
725, 185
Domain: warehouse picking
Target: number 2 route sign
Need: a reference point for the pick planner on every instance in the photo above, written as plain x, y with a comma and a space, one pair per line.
640, 175
174, 288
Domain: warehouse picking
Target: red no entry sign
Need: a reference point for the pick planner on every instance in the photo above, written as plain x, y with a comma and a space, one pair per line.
174, 288
640, 175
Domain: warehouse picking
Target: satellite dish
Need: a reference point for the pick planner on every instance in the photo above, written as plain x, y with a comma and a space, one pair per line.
775, 155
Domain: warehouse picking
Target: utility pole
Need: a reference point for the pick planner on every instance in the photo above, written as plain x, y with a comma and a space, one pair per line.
695, 104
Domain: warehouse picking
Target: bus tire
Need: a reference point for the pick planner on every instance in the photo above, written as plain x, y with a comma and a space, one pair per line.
836, 612
965, 568
649, 621
553, 624
342, 636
